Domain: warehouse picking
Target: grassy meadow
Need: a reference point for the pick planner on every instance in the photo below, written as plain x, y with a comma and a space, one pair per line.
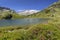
32, 32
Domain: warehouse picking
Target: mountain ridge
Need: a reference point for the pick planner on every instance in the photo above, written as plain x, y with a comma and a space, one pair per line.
28, 12
48, 12
7, 13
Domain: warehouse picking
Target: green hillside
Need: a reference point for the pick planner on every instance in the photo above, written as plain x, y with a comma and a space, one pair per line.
52, 11
7, 13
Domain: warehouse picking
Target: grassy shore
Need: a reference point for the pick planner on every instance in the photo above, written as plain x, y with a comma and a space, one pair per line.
31, 32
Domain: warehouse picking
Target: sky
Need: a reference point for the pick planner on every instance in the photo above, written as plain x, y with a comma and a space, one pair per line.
26, 4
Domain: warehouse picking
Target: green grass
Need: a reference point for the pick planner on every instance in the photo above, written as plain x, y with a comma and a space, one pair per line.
31, 32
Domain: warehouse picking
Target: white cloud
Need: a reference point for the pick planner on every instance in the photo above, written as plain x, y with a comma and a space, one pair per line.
20, 10
27, 12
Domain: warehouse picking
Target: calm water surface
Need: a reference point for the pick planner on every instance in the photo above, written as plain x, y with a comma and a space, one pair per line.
26, 21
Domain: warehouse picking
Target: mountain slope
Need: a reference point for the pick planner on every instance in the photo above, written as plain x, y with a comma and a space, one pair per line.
7, 13
52, 11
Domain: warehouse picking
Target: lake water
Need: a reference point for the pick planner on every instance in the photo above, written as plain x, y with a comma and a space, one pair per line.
26, 21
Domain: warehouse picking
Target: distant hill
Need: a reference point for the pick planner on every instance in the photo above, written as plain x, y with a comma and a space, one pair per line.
2, 8
52, 11
7, 13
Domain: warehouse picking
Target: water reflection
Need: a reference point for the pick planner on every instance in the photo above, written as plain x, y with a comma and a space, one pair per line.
25, 21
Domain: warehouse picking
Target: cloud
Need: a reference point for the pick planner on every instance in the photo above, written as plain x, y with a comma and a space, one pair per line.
27, 12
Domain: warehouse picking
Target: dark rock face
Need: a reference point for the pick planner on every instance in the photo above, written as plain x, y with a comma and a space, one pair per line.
8, 17
1, 8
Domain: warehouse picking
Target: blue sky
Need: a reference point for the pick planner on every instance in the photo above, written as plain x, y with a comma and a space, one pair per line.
26, 4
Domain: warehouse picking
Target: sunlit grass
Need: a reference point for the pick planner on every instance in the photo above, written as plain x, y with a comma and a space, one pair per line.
32, 32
